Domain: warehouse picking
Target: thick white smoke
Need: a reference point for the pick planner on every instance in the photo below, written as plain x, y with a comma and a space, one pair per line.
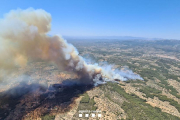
23, 37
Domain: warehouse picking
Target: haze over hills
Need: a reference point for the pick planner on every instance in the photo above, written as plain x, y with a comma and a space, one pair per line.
110, 38
46, 77
155, 97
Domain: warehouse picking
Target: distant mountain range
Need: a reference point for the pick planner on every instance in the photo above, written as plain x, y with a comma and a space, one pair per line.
111, 37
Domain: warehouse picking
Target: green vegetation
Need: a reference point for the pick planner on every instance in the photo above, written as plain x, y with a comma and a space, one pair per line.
85, 99
171, 90
86, 103
148, 73
156, 61
48, 117
153, 60
171, 101
136, 81
151, 92
162, 75
136, 108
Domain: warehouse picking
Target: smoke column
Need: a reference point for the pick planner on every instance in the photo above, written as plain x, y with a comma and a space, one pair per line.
23, 37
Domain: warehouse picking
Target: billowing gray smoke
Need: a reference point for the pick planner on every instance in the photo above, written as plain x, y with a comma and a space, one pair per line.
23, 37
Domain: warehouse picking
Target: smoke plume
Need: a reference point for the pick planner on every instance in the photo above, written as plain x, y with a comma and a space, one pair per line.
23, 37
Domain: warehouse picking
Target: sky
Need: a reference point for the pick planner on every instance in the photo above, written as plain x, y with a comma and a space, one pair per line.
138, 18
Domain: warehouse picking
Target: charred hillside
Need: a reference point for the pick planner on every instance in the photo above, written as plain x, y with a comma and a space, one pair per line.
35, 100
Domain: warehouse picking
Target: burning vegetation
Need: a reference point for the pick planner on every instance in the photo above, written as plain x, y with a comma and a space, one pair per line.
24, 39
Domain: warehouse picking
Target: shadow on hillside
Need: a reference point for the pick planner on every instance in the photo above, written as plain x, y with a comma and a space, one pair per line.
22, 99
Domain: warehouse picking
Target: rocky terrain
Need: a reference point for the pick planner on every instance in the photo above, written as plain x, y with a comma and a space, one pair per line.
45, 96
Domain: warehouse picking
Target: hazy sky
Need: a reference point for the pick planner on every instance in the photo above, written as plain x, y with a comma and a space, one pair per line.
141, 18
